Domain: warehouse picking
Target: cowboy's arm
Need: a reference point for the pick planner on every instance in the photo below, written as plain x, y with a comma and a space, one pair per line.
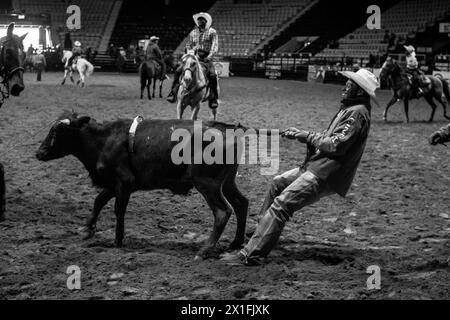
158, 52
190, 41
214, 44
343, 137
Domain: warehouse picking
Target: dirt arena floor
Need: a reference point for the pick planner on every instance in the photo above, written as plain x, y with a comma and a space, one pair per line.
396, 215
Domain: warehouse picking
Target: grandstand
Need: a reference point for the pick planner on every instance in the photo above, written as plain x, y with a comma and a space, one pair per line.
252, 33
243, 25
404, 19
97, 16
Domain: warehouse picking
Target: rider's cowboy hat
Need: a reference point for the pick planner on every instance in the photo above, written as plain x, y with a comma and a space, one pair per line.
409, 48
77, 44
205, 16
365, 79
38, 51
153, 38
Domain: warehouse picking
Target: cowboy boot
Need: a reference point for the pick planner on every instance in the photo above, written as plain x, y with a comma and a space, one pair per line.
213, 103
172, 97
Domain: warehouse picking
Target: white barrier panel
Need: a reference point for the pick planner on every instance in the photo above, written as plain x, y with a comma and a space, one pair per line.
444, 74
222, 69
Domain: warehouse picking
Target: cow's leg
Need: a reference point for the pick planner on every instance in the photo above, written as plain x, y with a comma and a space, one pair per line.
2, 193
120, 206
101, 200
430, 101
240, 205
212, 191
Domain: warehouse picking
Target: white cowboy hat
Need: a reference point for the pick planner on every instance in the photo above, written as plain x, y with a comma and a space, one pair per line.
365, 79
38, 51
205, 16
409, 48
153, 38
77, 44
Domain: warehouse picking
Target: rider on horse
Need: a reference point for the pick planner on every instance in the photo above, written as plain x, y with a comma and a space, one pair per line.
154, 53
77, 51
205, 40
412, 68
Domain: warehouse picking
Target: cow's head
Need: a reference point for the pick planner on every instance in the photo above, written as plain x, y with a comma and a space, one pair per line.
11, 58
62, 138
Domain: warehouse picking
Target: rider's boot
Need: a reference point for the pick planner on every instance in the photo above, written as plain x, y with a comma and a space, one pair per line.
64, 81
213, 101
172, 97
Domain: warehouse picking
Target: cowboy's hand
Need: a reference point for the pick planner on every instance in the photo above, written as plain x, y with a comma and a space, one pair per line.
435, 138
294, 133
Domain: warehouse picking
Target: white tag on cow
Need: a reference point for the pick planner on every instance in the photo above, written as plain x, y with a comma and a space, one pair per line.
65, 121
135, 124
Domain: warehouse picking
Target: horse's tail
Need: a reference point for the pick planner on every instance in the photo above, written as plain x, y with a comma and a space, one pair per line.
89, 68
445, 86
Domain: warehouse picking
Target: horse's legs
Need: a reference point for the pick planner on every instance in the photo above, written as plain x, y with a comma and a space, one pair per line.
148, 89
180, 110
443, 100
2, 193
160, 88
65, 76
430, 101
154, 86
214, 113
71, 76
393, 100
406, 107
195, 111
143, 83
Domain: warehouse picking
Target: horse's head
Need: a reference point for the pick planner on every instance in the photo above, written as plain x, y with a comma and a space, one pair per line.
12, 56
190, 66
389, 67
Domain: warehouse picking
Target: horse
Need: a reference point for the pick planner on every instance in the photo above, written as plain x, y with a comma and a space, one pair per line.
67, 54
84, 68
12, 56
150, 70
402, 89
193, 87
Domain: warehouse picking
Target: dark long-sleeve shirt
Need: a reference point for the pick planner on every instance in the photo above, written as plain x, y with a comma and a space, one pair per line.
334, 154
153, 52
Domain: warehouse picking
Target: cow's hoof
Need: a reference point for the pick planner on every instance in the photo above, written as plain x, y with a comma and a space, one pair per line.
89, 233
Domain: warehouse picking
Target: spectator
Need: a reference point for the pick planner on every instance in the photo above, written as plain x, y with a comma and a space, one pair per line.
39, 64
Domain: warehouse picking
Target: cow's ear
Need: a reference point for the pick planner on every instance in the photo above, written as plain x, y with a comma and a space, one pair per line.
79, 122
9, 32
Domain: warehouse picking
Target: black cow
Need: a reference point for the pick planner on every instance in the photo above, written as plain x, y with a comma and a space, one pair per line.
104, 150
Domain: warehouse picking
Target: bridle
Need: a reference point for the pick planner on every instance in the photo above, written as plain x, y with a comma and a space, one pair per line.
5, 74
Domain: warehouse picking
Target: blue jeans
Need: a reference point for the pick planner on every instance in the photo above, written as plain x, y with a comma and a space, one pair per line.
288, 193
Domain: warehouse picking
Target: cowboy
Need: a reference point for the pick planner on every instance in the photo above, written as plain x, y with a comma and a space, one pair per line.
153, 52
204, 39
412, 68
77, 51
441, 136
330, 165
39, 63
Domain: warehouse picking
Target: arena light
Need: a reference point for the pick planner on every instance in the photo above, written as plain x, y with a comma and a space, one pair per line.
32, 37
21, 16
